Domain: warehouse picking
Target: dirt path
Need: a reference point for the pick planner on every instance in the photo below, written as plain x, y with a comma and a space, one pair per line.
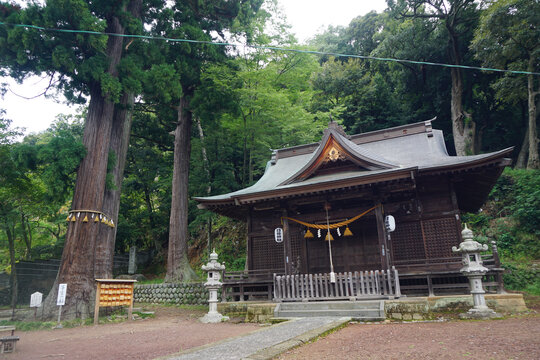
515, 338
171, 331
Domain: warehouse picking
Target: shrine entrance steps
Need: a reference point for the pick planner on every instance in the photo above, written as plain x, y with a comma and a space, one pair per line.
365, 310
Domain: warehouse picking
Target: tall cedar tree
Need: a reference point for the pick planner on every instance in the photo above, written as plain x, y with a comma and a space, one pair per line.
89, 65
196, 21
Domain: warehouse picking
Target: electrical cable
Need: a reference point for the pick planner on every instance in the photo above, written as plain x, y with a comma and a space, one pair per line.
273, 48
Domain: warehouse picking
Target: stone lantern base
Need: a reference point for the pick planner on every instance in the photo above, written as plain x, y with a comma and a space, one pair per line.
213, 318
480, 314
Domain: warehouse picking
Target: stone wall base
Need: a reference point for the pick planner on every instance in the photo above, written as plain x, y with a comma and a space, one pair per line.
249, 311
428, 308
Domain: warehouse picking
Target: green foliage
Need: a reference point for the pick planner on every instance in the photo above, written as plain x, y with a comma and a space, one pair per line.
511, 218
518, 193
522, 276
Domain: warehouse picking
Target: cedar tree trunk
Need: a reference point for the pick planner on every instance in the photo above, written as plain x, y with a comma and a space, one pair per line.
111, 203
119, 143
178, 267
78, 257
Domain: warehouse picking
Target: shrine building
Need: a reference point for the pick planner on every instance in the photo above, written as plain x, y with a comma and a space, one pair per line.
344, 188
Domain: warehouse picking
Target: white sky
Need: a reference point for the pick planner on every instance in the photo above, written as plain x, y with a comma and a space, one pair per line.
307, 17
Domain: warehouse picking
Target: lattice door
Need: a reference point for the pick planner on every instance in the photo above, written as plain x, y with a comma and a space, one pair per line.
267, 254
441, 235
407, 242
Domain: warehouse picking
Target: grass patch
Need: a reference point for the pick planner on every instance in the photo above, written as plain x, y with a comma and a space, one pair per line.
532, 301
144, 314
44, 325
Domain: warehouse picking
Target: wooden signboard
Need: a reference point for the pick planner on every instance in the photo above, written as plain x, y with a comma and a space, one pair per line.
114, 292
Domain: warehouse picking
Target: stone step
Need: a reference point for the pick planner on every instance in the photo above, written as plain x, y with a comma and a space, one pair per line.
329, 305
368, 315
363, 310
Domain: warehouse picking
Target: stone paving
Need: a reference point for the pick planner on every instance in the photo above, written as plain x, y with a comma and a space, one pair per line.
253, 345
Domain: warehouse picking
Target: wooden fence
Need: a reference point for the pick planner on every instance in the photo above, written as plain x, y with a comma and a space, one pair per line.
358, 284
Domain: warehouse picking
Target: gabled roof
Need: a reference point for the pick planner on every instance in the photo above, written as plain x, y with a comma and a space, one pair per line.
335, 146
403, 152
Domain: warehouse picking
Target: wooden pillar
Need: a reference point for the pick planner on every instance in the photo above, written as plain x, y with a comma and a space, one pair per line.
249, 245
381, 232
455, 205
287, 251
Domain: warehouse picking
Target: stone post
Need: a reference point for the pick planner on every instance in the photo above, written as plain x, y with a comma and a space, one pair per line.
213, 284
132, 265
473, 269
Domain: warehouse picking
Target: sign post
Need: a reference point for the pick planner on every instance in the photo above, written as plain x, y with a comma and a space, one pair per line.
35, 302
61, 301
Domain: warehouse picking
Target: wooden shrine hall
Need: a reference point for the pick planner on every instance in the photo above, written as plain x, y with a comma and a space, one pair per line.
344, 188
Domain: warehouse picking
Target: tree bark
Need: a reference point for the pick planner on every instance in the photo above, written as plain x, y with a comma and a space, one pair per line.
206, 166
27, 236
178, 267
12, 262
78, 258
206, 163
151, 218
111, 204
521, 161
463, 128
534, 161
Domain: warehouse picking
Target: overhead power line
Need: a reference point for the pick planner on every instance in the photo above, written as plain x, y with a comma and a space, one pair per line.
274, 48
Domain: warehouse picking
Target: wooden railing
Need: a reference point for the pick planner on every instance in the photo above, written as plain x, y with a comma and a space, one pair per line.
348, 285
491, 261
250, 275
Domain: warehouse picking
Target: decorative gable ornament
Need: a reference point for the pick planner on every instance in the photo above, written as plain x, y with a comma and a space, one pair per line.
334, 155
337, 146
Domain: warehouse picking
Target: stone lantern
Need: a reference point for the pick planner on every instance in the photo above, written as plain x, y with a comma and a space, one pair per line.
474, 269
213, 284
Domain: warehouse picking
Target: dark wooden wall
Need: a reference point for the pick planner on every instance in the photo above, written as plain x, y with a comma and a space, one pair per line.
427, 226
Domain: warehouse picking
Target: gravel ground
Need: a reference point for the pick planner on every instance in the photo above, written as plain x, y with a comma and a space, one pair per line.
171, 331
514, 338
174, 330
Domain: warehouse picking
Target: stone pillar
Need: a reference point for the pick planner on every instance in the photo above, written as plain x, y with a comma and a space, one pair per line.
213, 284
132, 265
474, 269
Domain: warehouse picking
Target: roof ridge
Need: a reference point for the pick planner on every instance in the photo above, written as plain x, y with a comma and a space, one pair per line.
362, 138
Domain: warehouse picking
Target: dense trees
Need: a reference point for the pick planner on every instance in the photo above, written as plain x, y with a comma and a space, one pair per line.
508, 36
209, 116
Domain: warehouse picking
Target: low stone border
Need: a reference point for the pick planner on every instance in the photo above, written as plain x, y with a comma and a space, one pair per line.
425, 308
176, 293
251, 312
